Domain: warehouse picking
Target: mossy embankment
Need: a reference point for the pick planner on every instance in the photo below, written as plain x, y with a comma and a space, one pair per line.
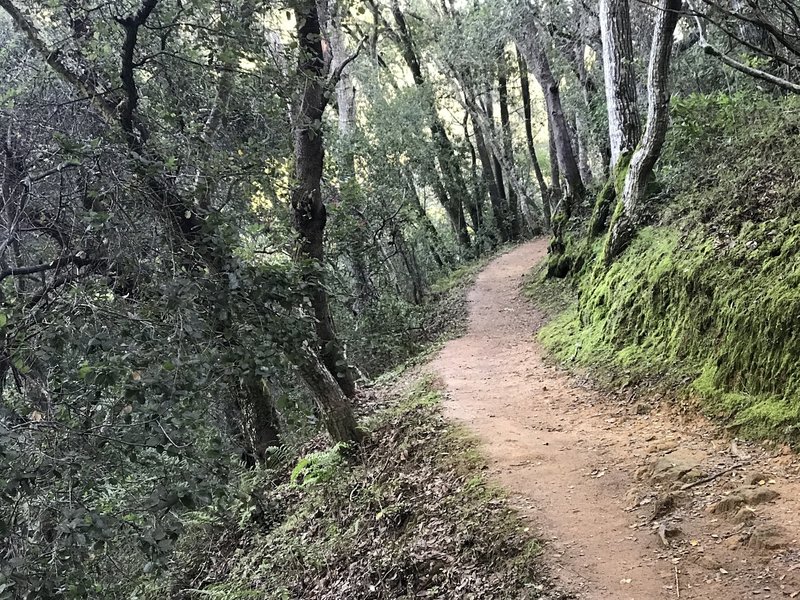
707, 297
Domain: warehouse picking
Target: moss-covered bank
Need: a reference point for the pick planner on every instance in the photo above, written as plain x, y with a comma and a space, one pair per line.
708, 295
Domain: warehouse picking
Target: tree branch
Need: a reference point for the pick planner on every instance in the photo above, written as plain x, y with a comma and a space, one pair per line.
54, 58
41, 268
741, 67
137, 135
333, 81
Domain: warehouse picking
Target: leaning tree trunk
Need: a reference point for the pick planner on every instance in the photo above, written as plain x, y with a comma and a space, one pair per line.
623, 227
308, 210
337, 414
530, 42
456, 187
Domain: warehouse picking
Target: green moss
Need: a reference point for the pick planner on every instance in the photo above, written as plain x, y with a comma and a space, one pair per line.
681, 306
707, 301
611, 190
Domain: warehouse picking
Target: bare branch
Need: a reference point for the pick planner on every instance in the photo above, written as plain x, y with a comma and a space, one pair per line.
83, 81
333, 81
741, 67
41, 268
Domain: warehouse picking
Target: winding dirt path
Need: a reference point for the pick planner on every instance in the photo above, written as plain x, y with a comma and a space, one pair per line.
598, 476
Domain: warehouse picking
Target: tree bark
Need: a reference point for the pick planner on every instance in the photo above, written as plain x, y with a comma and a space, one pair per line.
308, 211
332, 404
488, 176
624, 124
525, 86
623, 226
259, 419
514, 224
529, 41
583, 149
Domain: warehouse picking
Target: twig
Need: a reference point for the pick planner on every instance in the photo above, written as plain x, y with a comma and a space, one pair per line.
687, 486
677, 584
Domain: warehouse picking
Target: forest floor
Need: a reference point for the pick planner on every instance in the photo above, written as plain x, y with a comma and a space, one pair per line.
631, 497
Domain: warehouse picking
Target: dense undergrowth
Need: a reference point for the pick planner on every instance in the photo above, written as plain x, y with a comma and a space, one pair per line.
706, 299
392, 331
406, 515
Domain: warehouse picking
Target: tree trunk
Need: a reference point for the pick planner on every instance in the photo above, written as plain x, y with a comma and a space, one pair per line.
434, 240
525, 86
308, 210
508, 143
259, 419
488, 176
624, 124
409, 259
456, 187
623, 227
455, 212
555, 173
583, 149
529, 41
332, 404
478, 192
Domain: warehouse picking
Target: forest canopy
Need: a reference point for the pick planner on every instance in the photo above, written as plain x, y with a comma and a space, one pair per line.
221, 220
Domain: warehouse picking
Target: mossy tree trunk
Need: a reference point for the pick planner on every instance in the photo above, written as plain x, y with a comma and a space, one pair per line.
624, 123
623, 225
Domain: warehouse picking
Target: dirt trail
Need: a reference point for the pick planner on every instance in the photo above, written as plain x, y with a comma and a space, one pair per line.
598, 476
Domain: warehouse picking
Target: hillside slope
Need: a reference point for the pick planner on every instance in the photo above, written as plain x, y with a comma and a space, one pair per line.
707, 297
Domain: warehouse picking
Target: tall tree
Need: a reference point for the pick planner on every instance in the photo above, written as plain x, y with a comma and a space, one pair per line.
623, 227
525, 89
529, 40
309, 212
456, 187
508, 144
624, 124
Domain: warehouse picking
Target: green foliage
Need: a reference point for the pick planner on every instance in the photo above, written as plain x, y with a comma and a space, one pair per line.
318, 467
364, 534
715, 303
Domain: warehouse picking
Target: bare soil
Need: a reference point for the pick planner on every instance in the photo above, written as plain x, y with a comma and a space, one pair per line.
614, 484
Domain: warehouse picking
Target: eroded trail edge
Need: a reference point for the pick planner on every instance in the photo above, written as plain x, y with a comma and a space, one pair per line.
615, 485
